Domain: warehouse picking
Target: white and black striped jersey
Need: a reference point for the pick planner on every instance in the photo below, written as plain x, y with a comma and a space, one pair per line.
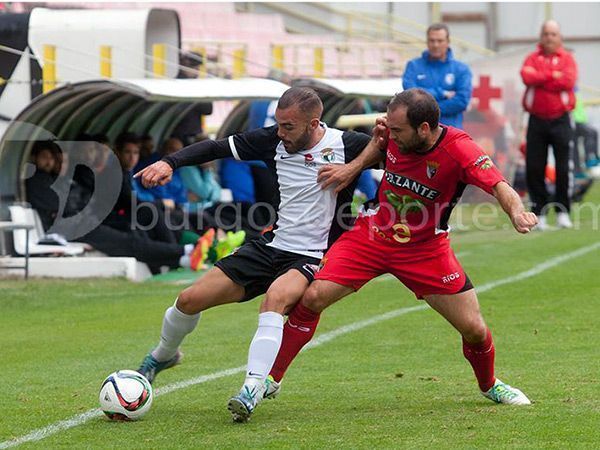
309, 219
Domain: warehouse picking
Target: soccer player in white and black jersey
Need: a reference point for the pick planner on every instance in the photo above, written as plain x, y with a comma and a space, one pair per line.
282, 263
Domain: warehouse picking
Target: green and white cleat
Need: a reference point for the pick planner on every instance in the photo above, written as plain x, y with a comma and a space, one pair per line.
503, 393
272, 388
242, 406
150, 367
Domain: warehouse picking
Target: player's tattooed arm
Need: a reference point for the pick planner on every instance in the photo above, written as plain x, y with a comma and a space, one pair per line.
342, 175
511, 203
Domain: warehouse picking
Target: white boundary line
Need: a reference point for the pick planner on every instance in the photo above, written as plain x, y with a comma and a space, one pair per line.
80, 419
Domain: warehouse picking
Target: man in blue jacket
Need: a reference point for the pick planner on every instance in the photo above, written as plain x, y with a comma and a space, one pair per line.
436, 71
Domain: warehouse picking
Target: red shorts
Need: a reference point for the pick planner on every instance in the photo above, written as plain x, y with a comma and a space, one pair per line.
426, 268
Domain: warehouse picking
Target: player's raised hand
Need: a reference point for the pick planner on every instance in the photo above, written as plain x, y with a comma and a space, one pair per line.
340, 175
524, 222
157, 174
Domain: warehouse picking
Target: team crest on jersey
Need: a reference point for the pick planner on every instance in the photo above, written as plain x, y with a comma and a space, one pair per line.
484, 162
449, 78
328, 155
309, 160
432, 168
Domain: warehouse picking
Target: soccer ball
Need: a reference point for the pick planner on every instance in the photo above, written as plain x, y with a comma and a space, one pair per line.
125, 395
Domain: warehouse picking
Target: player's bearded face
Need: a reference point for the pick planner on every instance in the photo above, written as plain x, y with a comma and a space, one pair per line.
411, 143
301, 142
404, 136
294, 129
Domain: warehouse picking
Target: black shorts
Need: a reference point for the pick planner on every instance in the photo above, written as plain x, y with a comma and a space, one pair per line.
255, 265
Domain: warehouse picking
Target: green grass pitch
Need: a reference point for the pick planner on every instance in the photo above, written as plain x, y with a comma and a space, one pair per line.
398, 383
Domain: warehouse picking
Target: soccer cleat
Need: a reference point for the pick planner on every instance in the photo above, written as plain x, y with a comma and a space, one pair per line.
563, 220
242, 406
200, 252
150, 367
272, 388
228, 244
503, 393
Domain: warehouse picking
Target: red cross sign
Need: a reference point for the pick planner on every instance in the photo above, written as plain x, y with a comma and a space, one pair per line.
485, 92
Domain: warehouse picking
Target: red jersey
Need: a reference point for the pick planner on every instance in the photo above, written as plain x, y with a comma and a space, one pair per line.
419, 191
548, 97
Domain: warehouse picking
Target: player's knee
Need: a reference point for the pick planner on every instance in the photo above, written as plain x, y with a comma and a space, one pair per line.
313, 300
187, 302
475, 332
278, 301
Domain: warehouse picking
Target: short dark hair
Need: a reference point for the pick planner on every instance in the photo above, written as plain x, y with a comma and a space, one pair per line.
40, 146
126, 138
438, 27
304, 98
101, 138
420, 107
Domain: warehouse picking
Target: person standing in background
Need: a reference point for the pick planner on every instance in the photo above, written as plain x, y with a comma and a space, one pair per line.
549, 74
589, 136
445, 78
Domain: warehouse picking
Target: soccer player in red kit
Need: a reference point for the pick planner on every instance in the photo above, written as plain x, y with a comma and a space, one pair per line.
427, 167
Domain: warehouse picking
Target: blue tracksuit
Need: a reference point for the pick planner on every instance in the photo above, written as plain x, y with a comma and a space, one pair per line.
437, 76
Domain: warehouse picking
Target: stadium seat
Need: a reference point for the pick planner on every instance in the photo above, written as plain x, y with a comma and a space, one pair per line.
26, 215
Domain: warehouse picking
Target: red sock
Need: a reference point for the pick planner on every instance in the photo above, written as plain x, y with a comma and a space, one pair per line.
297, 331
481, 357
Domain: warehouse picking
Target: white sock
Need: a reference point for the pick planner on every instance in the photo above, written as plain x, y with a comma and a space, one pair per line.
188, 249
185, 261
176, 326
264, 347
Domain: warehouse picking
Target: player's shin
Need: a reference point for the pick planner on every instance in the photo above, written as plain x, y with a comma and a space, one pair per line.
176, 326
264, 347
297, 332
481, 357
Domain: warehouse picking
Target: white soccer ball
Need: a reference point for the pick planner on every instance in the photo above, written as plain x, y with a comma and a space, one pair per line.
125, 395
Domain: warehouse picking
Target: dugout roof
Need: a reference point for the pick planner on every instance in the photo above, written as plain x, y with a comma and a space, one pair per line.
110, 107
340, 99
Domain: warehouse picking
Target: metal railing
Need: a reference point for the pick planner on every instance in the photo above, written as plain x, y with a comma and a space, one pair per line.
221, 58
373, 26
341, 59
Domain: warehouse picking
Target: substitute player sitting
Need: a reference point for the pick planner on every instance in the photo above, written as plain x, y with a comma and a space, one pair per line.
427, 169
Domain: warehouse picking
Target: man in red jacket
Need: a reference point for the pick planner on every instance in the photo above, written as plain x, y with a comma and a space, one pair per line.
549, 74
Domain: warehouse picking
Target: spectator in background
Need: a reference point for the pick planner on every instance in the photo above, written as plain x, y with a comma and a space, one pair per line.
174, 194
549, 74
174, 197
39, 193
189, 65
103, 151
127, 215
589, 136
147, 154
445, 78
138, 244
203, 189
